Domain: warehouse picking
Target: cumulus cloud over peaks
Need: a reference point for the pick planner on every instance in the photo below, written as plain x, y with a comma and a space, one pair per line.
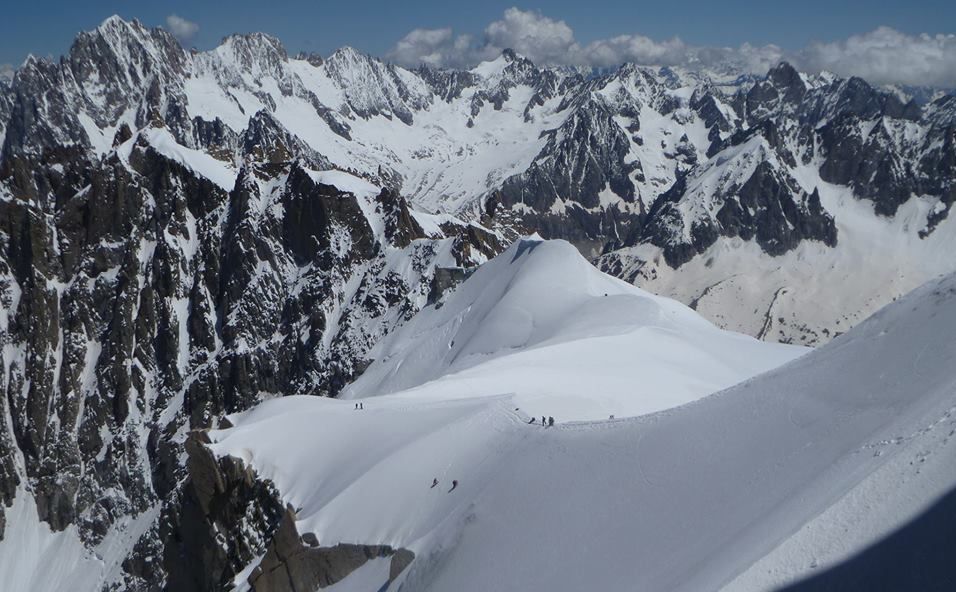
886, 55
539, 38
533, 35
181, 28
435, 47
883, 56
551, 42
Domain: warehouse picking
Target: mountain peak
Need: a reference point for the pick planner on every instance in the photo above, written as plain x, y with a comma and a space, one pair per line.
508, 65
254, 52
510, 54
784, 74
117, 23
349, 55
349, 52
30, 60
112, 21
496, 320
254, 40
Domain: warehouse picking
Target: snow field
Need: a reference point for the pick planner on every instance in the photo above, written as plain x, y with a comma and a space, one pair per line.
540, 323
685, 498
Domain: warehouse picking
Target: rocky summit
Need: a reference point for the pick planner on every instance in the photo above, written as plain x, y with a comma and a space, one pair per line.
186, 234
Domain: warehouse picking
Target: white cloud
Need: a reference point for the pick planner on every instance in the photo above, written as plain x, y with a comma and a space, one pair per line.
181, 28
533, 35
6, 71
883, 56
886, 55
634, 48
434, 47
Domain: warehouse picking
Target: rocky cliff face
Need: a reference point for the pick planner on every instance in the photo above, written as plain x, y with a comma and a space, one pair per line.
232, 529
183, 235
805, 172
572, 156
154, 287
843, 132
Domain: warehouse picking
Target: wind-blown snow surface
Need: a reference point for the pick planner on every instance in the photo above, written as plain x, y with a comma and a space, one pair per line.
543, 325
684, 499
34, 557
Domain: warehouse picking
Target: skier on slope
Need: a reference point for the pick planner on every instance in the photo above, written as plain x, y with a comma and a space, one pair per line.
454, 484
434, 483
550, 422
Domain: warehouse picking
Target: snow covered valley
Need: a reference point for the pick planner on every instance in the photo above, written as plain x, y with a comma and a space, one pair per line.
784, 473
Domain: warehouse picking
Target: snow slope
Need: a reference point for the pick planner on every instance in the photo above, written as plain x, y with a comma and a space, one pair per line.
542, 324
34, 557
684, 499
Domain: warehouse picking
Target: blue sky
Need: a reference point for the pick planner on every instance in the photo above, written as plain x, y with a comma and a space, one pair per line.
577, 31
47, 27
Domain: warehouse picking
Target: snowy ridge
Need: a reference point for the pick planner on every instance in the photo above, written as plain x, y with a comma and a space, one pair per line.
541, 324
711, 502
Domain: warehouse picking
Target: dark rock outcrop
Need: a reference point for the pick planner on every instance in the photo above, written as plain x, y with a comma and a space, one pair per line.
229, 519
225, 520
295, 563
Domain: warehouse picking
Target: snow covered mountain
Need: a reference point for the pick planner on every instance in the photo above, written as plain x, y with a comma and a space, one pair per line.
828, 201
658, 169
542, 325
791, 471
186, 234
582, 355
160, 296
